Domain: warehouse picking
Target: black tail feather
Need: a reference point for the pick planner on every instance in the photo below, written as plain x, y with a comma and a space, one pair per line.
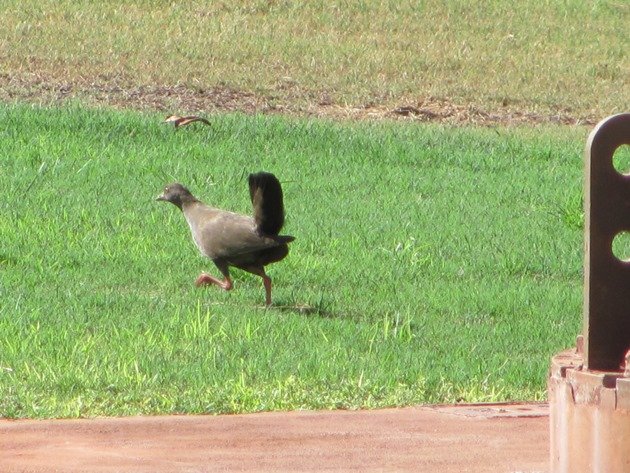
266, 194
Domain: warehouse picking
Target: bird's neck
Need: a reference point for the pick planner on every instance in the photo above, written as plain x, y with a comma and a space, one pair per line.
189, 203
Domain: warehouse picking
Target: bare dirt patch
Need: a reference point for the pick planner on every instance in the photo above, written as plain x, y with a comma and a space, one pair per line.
180, 99
474, 438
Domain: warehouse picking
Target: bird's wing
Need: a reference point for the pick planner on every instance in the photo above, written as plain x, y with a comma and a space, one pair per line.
228, 234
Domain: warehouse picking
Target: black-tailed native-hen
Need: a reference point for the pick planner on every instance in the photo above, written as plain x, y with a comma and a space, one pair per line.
230, 239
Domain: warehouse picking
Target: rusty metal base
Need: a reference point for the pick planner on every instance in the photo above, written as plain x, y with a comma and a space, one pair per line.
589, 417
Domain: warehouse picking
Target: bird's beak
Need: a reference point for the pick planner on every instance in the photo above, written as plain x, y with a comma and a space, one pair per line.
160, 197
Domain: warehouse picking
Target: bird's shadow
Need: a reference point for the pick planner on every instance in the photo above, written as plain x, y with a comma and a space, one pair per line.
303, 309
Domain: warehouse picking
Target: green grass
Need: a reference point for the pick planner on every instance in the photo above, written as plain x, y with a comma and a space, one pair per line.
430, 264
548, 57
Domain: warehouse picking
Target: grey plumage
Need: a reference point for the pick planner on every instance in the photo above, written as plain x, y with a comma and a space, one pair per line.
231, 239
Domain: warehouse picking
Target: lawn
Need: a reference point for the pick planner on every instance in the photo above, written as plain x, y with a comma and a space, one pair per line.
431, 264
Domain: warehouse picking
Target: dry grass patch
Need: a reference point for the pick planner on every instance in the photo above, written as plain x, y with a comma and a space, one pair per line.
453, 61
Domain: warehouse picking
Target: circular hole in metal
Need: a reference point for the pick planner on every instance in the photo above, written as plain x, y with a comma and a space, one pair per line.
621, 160
621, 246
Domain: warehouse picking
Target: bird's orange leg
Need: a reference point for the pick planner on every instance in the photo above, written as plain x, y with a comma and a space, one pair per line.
260, 271
267, 283
205, 279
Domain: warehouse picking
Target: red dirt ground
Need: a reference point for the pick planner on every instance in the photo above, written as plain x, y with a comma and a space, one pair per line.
444, 439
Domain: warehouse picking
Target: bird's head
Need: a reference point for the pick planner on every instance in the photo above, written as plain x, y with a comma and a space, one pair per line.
176, 194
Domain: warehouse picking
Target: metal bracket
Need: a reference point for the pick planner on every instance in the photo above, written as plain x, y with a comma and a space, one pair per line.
606, 278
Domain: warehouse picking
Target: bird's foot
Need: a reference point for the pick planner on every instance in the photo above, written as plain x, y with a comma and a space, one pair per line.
203, 280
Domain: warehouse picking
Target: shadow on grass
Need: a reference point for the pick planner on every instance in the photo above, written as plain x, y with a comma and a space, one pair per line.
318, 310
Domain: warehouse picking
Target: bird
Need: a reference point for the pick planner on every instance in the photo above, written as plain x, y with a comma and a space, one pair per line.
231, 239
178, 121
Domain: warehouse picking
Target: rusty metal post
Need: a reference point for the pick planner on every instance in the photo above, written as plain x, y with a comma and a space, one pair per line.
589, 390
606, 278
